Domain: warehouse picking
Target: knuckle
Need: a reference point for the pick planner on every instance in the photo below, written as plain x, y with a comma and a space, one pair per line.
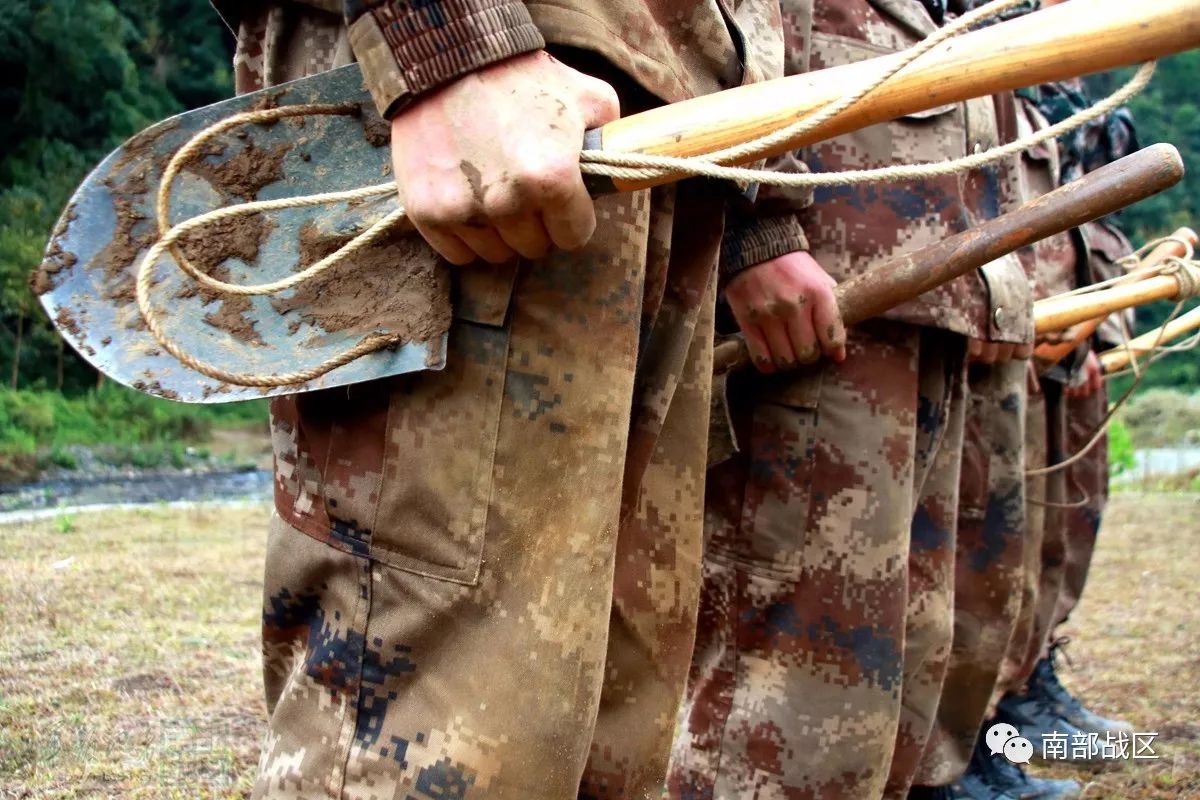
555, 177
502, 203
447, 208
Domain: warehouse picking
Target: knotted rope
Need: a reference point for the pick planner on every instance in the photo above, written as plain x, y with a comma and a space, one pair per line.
1186, 272
629, 166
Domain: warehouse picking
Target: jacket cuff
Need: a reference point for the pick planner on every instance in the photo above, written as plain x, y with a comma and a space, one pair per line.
408, 49
753, 241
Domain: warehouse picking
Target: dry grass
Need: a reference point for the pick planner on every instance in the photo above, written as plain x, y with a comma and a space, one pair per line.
1136, 644
132, 672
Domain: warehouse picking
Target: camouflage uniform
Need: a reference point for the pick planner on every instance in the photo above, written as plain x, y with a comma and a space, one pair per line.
994, 543
1088, 477
989, 543
1054, 268
825, 616
1064, 515
482, 582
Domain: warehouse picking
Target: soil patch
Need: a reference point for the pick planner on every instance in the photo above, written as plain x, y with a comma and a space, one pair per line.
376, 130
397, 284
207, 249
243, 174
48, 274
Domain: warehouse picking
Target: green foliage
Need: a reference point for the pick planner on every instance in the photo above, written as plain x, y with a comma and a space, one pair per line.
1120, 448
1162, 418
138, 429
1167, 111
77, 77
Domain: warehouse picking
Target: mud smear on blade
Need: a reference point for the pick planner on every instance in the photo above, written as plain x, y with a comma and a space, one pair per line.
397, 284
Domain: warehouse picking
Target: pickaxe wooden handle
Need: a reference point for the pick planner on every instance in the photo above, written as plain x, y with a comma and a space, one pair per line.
1119, 357
1108, 189
1060, 42
1057, 348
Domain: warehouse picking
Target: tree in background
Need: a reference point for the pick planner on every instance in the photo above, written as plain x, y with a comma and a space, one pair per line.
1167, 111
78, 77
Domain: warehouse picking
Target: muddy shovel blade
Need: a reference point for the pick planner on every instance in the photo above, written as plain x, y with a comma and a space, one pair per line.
86, 282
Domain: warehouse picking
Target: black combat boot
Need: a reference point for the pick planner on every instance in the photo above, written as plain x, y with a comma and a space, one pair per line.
1046, 684
1053, 738
991, 777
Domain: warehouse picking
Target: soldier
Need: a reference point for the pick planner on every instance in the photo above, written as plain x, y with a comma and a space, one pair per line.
992, 530
825, 619
482, 582
1035, 700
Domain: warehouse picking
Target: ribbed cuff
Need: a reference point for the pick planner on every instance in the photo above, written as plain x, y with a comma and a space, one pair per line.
407, 51
754, 241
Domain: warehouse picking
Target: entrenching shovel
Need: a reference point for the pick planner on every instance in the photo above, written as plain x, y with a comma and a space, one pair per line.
86, 281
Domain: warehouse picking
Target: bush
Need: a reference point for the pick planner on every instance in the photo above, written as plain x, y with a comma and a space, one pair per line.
125, 426
1162, 418
1120, 448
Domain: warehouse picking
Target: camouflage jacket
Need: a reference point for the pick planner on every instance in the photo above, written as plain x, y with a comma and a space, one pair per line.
1106, 246
675, 49
1054, 265
1093, 253
850, 229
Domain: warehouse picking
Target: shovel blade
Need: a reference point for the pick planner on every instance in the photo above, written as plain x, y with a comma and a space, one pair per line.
86, 282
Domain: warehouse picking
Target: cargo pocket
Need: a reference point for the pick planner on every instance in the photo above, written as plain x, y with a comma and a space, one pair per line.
441, 441
976, 457
779, 463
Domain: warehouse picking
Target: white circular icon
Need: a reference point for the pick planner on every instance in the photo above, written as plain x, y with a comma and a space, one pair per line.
997, 735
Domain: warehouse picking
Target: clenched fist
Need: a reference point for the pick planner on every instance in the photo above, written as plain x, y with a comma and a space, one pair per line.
488, 166
980, 351
787, 312
1090, 380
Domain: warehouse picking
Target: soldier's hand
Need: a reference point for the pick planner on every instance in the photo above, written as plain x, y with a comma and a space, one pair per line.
1090, 381
488, 166
984, 352
787, 312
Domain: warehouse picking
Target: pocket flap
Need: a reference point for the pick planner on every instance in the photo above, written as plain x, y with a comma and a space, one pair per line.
483, 292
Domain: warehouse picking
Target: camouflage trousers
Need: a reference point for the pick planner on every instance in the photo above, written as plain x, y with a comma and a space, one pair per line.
502, 604
1087, 482
988, 563
1045, 544
825, 615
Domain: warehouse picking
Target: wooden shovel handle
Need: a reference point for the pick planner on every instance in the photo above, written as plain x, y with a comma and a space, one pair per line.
1108, 189
1063, 41
1119, 357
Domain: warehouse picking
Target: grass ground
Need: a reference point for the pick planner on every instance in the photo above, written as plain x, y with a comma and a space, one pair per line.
129, 653
1136, 644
